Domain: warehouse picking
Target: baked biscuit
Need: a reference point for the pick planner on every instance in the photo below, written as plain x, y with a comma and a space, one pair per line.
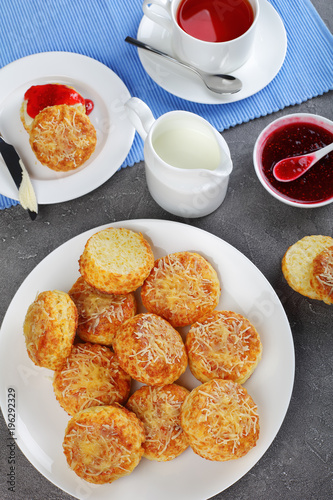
158, 408
220, 420
91, 376
223, 345
297, 263
150, 350
116, 260
322, 275
62, 137
103, 443
182, 287
100, 314
49, 329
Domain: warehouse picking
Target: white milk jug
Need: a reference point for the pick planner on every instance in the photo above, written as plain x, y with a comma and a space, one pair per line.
187, 162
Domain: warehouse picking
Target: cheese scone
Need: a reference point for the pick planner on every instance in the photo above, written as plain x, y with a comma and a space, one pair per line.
100, 314
116, 260
220, 420
150, 350
297, 263
91, 376
224, 345
322, 275
182, 287
62, 137
103, 443
49, 329
158, 408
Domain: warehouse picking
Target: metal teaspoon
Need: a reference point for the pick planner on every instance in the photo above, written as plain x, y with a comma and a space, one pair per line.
220, 84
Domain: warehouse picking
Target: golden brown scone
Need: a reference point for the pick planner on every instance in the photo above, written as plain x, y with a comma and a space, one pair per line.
62, 137
322, 275
220, 420
100, 314
150, 350
223, 345
182, 287
90, 377
116, 260
49, 329
103, 443
158, 408
297, 263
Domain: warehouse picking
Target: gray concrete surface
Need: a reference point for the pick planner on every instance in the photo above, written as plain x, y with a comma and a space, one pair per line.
298, 464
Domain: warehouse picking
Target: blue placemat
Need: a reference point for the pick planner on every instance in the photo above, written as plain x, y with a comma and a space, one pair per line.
98, 29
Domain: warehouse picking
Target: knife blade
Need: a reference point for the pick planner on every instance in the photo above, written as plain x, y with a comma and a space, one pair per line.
19, 173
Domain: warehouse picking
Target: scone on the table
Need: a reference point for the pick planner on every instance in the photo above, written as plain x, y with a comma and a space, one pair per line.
90, 377
322, 275
49, 329
62, 137
297, 263
225, 345
220, 420
116, 260
182, 287
103, 443
150, 350
158, 408
100, 314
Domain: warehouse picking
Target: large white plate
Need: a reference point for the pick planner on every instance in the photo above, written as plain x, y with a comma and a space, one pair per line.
93, 80
268, 55
41, 421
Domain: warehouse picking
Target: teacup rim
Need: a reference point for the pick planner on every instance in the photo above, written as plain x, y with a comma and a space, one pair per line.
221, 44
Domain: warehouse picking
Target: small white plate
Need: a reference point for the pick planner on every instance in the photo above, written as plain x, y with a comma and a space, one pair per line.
268, 55
40, 422
94, 81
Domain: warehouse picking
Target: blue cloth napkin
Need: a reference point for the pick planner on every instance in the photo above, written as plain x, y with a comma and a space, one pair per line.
98, 28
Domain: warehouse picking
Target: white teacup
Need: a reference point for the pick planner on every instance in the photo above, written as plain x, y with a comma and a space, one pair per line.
208, 56
187, 162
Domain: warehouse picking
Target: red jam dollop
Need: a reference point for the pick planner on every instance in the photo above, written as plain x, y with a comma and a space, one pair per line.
295, 139
39, 97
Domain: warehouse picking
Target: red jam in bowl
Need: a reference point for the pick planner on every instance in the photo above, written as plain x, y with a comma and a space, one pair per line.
295, 139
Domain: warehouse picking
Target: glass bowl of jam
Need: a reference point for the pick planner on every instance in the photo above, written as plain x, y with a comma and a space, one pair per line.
289, 136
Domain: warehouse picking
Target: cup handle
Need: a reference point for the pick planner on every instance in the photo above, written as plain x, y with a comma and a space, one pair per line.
140, 115
159, 18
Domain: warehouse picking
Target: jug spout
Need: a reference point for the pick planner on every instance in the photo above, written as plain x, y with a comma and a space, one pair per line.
140, 115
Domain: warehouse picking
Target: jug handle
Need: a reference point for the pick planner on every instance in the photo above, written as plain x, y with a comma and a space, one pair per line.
140, 115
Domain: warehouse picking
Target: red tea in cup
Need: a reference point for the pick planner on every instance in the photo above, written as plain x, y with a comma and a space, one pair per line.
215, 20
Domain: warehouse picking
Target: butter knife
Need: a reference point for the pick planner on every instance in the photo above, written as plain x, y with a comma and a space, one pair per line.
19, 173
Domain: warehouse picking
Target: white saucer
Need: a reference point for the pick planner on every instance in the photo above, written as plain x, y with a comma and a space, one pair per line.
267, 58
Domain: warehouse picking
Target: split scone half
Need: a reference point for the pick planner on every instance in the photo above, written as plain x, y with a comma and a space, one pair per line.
297, 264
322, 275
49, 329
220, 420
90, 377
150, 350
103, 443
223, 345
158, 408
100, 314
116, 260
62, 137
182, 287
